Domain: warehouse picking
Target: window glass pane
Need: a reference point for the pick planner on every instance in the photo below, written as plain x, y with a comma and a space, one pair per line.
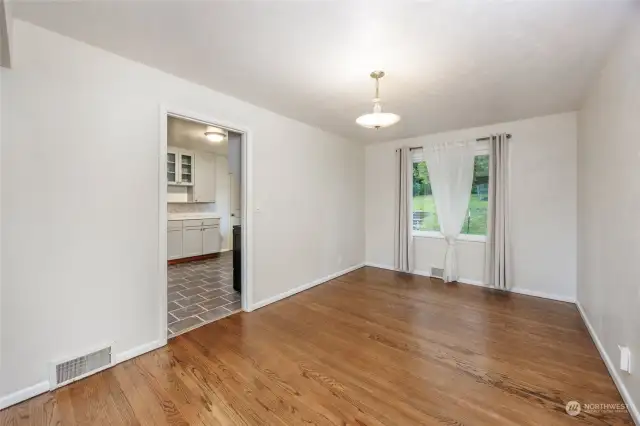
476, 220
424, 208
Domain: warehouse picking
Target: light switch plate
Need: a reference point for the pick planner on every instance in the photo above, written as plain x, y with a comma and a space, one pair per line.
625, 359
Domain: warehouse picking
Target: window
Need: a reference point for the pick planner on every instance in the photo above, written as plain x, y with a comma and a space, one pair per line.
425, 217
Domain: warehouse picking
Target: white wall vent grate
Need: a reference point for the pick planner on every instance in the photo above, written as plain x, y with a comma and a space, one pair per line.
437, 272
74, 369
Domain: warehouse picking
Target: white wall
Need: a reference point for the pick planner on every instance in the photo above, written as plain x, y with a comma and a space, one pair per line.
235, 177
80, 131
543, 168
609, 206
234, 154
222, 205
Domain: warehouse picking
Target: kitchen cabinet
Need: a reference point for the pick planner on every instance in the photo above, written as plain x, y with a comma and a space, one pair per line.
172, 173
193, 237
191, 242
174, 244
210, 239
204, 188
174, 239
180, 167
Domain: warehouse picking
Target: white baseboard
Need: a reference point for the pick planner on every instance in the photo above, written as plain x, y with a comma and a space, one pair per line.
24, 394
481, 284
422, 273
524, 291
137, 351
557, 297
460, 280
303, 287
42, 387
613, 371
380, 265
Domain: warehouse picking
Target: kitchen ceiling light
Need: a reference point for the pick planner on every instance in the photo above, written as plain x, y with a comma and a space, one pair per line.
377, 119
216, 135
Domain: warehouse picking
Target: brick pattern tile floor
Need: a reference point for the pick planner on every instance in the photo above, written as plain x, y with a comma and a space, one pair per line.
200, 292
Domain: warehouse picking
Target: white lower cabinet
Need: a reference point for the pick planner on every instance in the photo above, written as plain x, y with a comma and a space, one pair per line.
192, 237
191, 242
210, 240
174, 244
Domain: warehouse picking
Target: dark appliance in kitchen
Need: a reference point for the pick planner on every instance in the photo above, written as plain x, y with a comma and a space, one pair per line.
237, 258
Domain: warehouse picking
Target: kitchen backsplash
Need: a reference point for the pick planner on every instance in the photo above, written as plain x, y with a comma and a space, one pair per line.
191, 207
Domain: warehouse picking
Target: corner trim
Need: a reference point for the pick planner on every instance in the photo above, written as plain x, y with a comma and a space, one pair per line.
303, 287
624, 392
42, 387
24, 394
480, 284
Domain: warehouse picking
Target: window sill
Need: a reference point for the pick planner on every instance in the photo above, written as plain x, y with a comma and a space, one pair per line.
461, 237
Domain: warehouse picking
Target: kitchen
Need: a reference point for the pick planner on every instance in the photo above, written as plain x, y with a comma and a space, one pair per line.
203, 196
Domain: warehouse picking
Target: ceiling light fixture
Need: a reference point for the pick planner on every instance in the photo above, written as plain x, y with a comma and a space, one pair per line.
216, 135
378, 118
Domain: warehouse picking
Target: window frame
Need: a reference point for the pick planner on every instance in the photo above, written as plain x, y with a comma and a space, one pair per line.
481, 149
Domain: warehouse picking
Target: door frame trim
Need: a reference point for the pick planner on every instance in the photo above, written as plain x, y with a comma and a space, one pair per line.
246, 199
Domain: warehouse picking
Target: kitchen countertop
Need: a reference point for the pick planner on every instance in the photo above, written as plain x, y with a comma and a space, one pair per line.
187, 216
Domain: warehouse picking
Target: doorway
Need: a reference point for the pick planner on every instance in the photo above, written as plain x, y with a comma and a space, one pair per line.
204, 244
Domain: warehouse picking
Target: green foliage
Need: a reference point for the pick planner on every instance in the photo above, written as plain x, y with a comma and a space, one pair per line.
421, 184
481, 169
424, 205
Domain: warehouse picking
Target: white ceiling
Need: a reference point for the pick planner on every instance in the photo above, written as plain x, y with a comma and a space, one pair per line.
450, 64
189, 135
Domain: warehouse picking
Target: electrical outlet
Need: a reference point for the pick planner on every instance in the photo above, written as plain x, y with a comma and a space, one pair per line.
625, 359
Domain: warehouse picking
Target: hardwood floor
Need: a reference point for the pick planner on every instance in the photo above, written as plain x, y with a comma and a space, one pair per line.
372, 347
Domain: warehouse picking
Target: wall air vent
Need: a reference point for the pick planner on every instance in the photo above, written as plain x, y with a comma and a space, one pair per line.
65, 372
437, 272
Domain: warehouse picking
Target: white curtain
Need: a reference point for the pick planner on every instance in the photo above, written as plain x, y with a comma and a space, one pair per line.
450, 167
403, 246
497, 268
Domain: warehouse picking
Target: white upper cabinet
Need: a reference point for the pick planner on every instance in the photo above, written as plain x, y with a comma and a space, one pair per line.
180, 167
172, 174
186, 168
204, 188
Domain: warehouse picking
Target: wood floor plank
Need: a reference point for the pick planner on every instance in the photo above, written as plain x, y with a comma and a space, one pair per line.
372, 347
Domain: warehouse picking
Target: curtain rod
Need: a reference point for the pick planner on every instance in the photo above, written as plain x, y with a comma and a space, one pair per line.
486, 138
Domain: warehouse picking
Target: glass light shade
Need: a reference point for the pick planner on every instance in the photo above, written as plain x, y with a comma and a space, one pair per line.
216, 136
377, 118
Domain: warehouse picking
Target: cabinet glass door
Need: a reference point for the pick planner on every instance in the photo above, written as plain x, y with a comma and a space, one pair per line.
171, 167
186, 170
